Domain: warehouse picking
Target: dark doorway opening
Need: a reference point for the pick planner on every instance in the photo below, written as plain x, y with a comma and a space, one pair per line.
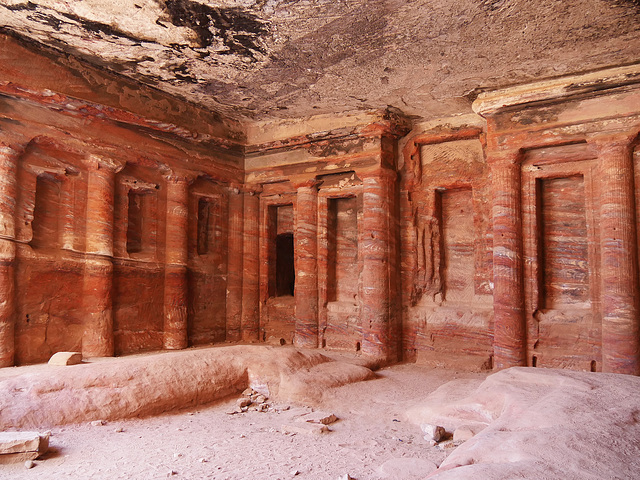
285, 271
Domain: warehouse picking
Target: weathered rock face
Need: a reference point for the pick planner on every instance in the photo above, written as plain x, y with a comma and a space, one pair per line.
502, 238
294, 58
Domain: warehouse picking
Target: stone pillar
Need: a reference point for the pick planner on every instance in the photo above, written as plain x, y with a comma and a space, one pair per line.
234, 267
619, 267
176, 256
378, 189
8, 195
509, 337
250, 324
306, 266
97, 340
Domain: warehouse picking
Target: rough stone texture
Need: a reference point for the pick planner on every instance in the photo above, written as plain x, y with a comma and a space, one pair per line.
65, 358
289, 59
538, 422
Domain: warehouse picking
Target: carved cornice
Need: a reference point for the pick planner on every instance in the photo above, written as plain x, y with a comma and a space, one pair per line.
556, 89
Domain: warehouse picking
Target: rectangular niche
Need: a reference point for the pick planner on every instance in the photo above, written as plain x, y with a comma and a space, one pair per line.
46, 212
342, 254
210, 224
141, 224
281, 251
564, 246
457, 240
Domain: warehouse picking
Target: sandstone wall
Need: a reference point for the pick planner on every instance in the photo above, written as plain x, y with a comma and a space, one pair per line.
502, 238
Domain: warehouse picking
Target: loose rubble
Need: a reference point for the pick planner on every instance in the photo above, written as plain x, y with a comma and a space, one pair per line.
251, 401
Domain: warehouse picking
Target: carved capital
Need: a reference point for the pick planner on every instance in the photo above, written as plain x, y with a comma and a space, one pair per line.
103, 162
299, 183
250, 189
612, 141
504, 158
380, 173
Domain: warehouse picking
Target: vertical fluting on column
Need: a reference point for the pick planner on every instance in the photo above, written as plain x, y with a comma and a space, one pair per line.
306, 266
619, 268
509, 337
8, 195
375, 312
97, 340
250, 322
176, 256
234, 267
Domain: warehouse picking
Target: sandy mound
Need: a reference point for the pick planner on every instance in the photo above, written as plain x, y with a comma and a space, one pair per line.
541, 423
143, 385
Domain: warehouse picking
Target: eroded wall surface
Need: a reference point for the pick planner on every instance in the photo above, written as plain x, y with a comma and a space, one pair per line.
114, 219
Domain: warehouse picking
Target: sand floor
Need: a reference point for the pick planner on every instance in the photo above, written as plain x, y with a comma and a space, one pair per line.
209, 443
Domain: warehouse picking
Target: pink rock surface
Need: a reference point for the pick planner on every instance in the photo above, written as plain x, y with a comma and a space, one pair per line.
541, 423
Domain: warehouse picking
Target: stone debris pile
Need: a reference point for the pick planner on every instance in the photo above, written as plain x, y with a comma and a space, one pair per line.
251, 401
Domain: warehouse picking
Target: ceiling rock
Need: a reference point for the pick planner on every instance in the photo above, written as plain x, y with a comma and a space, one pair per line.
268, 59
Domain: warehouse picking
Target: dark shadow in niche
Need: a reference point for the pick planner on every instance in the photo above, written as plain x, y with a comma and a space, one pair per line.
203, 225
285, 271
134, 225
46, 212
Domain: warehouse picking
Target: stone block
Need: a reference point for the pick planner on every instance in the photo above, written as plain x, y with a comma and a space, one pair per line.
318, 417
65, 358
22, 446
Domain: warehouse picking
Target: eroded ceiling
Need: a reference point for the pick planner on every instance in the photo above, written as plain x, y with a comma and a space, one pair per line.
264, 59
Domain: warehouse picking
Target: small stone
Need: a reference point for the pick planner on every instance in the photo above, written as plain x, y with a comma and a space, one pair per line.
243, 402
119, 430
263, 407
98, 423
318, 417
432, 432
248, 392
177, 455
172, 473
29, 464
202, 460
346, 476
65, 358
295, 472
259, 399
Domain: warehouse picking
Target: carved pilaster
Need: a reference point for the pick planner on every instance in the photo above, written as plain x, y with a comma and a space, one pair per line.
509, 337
619, 266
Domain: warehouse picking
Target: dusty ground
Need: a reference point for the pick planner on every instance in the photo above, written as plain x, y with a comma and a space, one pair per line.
208, 443
532, 423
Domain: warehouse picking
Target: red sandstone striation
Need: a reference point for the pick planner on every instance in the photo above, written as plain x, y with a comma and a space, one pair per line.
507, 238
